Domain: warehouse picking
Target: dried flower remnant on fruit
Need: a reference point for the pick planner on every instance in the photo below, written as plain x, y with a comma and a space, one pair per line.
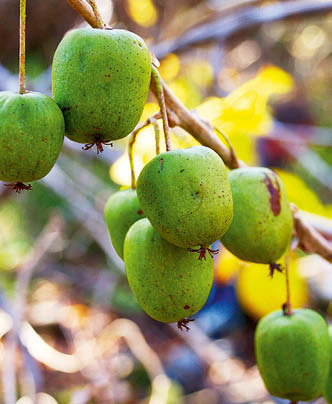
18, 187
98, 142
182, 324
275, 267
274, 190
202, 252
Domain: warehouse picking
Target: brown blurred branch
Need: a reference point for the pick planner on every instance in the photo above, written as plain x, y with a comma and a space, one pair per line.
240, 21
85, 11
199, 129
310, 239
24, 272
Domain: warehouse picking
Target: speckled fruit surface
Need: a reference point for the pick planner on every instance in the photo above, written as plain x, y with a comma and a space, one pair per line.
327, 393
31, 135
292, 354
100, 81
262, 226
186, 195
122, 209
169, 282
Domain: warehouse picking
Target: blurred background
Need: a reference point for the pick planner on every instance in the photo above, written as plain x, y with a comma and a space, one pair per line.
71, 331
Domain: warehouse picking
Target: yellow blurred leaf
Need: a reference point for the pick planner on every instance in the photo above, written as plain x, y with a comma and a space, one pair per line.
186, 91
143, 12
169, 67
304, 198
259, 294
226, 266
201, 73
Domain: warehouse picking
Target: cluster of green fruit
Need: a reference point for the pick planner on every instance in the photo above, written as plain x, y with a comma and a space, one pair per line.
294, 355
188, 201
100, 81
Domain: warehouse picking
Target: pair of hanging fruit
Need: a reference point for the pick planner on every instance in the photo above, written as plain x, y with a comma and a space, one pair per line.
187, 193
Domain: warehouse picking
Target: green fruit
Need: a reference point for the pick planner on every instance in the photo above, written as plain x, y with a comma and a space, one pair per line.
100, 81
262, 227
185, 194
327, 393
292, 354
31, 135
121, 211
169, 282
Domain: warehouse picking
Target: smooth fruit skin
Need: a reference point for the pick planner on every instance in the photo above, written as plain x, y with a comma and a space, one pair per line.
100, 81
122, 209
186, 195
31, 135
169, 282
262, 226
292, 354
328, 384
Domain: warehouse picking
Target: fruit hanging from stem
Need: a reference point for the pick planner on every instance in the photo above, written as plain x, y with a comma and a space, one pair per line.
100, 80
185, 193
169, 282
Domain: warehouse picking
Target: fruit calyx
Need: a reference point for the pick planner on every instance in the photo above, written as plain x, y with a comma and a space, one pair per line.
275, 267
98, 142
183, 324
18, 187
202, 252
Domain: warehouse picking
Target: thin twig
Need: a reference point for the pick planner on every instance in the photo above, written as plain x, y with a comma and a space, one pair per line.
131, 143
22, 45
159, 92
288, 307
235, 160
85, 11
154, 122
96, 13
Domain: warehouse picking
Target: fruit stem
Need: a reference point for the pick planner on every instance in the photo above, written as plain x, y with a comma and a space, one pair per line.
131, 158
156, 133
131, 143
96, 12
288, 307
234, 160
22, 46
162, 105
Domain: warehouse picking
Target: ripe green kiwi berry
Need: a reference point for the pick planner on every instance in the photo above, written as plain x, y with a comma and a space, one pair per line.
31, 136
100, 81
262, 226
292, 354
186, 195
121, 211
168, 282
327, 393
